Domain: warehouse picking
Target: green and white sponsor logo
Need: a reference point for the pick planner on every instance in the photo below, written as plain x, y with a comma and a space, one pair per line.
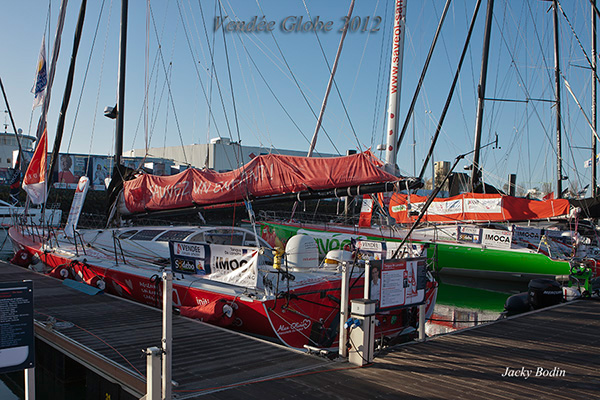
327, 241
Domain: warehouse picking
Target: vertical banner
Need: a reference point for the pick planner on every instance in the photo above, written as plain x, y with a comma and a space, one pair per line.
77, 205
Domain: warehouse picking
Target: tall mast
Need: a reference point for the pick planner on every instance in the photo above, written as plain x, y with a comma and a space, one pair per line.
476, 171
313, 142
391, 151
559, 174
121, 95
594, 101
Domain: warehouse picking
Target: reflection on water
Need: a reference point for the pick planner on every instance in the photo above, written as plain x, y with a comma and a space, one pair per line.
466, 302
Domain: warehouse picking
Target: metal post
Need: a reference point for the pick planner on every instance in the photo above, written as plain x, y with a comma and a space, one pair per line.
343, 338
153, 373
30, 384
167, 337
422, 322
367, 287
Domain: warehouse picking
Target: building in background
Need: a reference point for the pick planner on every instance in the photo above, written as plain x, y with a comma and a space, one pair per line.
221, 154
9, 151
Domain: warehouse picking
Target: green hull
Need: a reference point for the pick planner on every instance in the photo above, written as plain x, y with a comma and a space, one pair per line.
507, 262
447, 257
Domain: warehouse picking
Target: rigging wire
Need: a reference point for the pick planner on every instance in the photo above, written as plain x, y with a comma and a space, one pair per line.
87, 68
381, 98
332, 72
168, 85
235, 115
288, 66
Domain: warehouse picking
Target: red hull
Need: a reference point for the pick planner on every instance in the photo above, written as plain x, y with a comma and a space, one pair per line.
303, 316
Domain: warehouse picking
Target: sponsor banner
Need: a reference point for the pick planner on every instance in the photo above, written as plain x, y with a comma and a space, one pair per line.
496, 238
445, 207
468, 234
523, 234
371, 250
190, 258
237, 265
77, 205
493, 205
398, 283
327, 241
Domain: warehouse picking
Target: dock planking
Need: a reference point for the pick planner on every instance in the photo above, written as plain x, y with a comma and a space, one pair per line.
213, 363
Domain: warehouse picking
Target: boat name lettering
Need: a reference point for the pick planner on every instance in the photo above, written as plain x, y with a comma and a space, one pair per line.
294, 326
147, 285
180, 189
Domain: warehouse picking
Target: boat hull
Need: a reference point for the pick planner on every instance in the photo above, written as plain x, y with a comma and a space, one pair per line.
306, 315
450, 258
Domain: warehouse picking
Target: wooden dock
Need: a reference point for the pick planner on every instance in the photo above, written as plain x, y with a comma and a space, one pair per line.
108, 334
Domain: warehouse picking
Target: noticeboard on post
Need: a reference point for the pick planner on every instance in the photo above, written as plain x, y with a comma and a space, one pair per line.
16, 326
398, 283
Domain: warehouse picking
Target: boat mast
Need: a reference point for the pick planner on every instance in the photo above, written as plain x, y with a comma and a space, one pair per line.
391, 150
559, 174
594, 100
476, 170
313, 142
121, 78
60, 127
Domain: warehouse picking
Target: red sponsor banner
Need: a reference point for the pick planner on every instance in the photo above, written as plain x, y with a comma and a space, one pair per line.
476, 207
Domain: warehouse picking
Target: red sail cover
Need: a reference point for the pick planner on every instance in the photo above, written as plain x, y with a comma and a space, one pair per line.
477, 207
265, 175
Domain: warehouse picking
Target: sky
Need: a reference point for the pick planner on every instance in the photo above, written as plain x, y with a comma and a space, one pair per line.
266, 88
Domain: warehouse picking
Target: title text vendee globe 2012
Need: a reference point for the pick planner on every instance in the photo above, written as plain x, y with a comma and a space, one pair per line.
298, 24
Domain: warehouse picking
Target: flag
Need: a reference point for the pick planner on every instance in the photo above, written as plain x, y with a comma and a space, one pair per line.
15, 181
41, 78
34, 182
588, 163
549, 196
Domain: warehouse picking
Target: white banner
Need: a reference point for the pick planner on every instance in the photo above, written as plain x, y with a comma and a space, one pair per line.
496, 238
234, 264
483, 205
526, 235
77, 205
